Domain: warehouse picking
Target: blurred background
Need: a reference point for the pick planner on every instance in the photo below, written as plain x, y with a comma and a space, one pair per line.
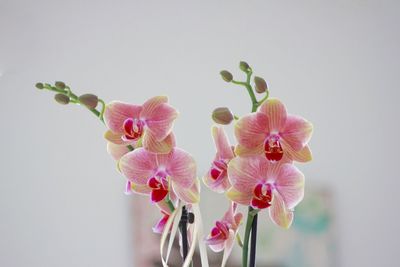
335, 63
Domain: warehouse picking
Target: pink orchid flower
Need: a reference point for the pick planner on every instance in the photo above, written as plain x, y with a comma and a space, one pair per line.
159, 175
262, 184
217, 177
223, 234
149, 124
272, 132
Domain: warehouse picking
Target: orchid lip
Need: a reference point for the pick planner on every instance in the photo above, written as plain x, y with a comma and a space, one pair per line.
133, 128
262, 196
218, 168
272, 148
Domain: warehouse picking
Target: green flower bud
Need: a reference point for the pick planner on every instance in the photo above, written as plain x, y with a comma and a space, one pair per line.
39, 85
60, 85
244, 66
222, 115
226, 76
61, 99
261, 84
89, 100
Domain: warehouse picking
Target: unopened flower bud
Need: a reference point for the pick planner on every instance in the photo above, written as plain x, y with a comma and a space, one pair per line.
39, 85
60, 85
261, 84
89, 100
222, 115
61, 99
244, 66
226, 76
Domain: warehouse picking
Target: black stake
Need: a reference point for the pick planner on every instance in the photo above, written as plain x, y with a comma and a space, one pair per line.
253, 245
183, 227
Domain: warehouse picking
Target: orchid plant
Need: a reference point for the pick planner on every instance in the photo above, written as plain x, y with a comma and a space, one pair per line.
257, 172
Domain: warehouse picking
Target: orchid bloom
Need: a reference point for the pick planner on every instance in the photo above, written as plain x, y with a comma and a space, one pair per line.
262, 184
149, 124
217, 177
159, 175
272, 132
223, 234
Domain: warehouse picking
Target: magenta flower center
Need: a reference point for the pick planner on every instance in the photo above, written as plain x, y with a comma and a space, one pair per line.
262, 196
221, 230
133, 129
273, 148
159, 187
218, 169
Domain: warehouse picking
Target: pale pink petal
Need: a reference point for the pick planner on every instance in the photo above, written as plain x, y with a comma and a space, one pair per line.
138, 165
290, 185
160, 122
141, 189
229, 243
117, 151
243, 151
245, 173
117, 112
303, 155
224, 149
115, 138
216, 245
189, 195
239, 197
252, 129
219, 185
180, 166
151, 144
229, 214
237, 219
151, 104
279, 213
276, 112
159, 227
297, 132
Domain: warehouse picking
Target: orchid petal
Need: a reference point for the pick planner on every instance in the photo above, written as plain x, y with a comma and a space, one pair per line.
243, 151
239, 197
114, 138
279, 213
245, 173
276, 112
117, 151
180, 166
252, 129
141, 189
219, 185
159, 227
160, 122
290, 185
151, 144
138, 165
224, 149
117, 112
189, 195
297, 132
303, 155
216, 245
228, 247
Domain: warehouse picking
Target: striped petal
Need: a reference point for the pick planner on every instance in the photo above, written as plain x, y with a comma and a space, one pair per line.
224, 149
138, 165
302, 155
164, 146
279, 213
290, 185
243, 151
219, 185
239, 197
180, 166
117, 151
117, 112
245, 173
297, 132
276, 112
251, 130
141, 189
189, 195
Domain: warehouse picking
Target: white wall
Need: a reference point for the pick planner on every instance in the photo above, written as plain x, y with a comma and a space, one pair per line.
334, 62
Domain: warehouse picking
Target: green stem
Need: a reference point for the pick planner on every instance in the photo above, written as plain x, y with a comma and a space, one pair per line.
245, 251
170, 205
250, 90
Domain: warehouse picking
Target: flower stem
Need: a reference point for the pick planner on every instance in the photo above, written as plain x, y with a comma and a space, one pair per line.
253, 242
249, 224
